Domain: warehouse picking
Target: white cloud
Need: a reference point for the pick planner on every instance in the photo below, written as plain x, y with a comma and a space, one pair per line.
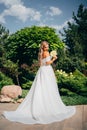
17, 9
36, 16
2, 20
8, 3
60, 27
42, 24
54, 11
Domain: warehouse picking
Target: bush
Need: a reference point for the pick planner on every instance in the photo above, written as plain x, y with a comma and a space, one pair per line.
75, 100
4, 80
26, 75
64, 92
24, 93
27, 85
75, 82
70, 64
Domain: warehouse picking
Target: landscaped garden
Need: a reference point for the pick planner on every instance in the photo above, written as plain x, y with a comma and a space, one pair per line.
19, 57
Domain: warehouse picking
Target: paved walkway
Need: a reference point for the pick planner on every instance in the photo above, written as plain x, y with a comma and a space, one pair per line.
76, 122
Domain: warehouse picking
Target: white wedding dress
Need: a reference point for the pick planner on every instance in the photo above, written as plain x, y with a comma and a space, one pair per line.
43, 103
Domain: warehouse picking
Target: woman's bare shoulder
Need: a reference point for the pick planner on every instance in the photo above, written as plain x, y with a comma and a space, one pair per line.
45, 54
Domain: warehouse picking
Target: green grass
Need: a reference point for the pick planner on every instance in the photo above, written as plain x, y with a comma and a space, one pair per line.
68, 100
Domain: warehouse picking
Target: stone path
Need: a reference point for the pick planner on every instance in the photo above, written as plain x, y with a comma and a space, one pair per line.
76, 122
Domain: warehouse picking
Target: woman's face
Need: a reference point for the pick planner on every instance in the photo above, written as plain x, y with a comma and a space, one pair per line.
45, 47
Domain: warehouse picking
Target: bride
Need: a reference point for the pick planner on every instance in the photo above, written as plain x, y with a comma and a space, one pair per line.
43, 103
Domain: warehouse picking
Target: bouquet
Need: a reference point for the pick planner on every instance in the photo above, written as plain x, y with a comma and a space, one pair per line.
53, 53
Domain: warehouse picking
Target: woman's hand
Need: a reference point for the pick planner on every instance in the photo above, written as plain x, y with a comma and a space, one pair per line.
52, 60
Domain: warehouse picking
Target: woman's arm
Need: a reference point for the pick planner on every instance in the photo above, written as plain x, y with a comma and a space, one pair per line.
51, 61
46, 54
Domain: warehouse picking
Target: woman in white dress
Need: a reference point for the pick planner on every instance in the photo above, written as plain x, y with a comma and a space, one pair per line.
43, 103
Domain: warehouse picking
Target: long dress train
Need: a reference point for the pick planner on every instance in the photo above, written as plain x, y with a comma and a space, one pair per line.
43, 103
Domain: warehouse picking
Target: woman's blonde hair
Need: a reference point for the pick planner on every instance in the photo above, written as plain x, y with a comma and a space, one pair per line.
41, 51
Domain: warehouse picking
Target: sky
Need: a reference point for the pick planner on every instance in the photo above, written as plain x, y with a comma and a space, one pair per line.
17, 14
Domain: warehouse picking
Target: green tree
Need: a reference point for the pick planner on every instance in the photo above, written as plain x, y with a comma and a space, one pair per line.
4, 33
81, 21
75, 35
24, 44
75, 38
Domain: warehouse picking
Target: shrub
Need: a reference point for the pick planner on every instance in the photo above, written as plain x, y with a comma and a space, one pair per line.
75, 82
27, 85
70, 64
4, 80
75, 100
64, 92
24, 93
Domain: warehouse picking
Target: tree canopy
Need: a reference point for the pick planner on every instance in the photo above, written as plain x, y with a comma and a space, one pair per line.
24, 44
3, 36
76, 34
